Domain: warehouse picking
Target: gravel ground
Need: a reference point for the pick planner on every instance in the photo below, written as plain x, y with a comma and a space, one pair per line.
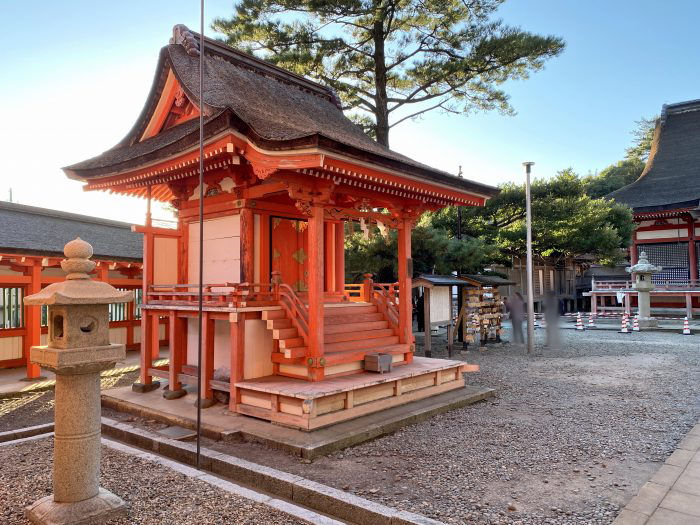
154, 494
569, 438
36, 408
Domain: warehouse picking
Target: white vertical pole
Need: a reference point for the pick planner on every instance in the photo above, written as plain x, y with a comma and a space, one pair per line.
530, 287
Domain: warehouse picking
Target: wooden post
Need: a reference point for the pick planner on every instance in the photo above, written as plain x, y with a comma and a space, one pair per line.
146, 382
368, 288
207, 358
155, 337
247, 246
692, 255
237, 358
315, 293
130, 327
340, 257
405, 275
426, 322
32, 321
689, 306
177, 345
328, 255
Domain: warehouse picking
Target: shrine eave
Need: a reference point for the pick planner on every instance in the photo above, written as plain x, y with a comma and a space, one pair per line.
272, 114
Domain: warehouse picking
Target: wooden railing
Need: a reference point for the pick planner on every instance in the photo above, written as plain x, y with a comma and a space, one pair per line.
386, 297
355, 292
224, 294
295, 308
659, 284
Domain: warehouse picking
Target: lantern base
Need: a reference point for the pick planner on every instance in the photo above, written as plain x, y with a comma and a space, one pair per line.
98, 509
648, 322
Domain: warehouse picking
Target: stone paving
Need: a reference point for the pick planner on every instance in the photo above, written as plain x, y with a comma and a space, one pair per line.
672, 495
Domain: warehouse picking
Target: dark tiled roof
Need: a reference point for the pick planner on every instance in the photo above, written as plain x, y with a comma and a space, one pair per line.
273, 107
440, 280
671, 177
38, 231
488, 280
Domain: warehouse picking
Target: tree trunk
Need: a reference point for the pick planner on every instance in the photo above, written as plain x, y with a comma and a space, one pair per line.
380, 97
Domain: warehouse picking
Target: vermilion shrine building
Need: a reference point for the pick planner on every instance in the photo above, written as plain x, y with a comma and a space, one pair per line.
284, 171
666, 205
31, 249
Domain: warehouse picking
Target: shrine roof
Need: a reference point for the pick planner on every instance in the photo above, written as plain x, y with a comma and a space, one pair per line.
671, 177
31, 230
431, 280
275, 109
487, 280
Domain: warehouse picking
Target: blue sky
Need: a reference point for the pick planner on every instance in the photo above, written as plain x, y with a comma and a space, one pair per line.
76, 73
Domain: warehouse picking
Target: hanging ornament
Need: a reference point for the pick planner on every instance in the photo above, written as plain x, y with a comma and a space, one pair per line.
383, 230
365, 228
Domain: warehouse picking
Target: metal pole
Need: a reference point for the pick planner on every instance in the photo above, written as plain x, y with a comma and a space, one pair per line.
200, 305
530, 287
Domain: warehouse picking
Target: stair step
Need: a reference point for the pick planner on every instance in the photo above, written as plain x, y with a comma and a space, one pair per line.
273, 324
373, 343
355, 318
357, 335
334, 311
353, 326
273, 314
350, 356
293, 353
291, 343
285, 333
278, 357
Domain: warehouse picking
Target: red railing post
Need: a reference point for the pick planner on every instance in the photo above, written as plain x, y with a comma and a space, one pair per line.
369, 285
276, 279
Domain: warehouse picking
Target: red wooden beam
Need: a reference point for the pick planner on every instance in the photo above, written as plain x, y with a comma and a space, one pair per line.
315, 291
32, 320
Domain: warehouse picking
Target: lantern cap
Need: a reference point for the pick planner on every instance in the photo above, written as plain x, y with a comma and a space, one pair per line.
643, 265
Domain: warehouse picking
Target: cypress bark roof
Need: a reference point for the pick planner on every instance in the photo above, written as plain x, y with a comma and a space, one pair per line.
39, 231
671, 177
274, 108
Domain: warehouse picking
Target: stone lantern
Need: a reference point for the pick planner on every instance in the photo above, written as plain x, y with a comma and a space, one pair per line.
642, 272
78, 350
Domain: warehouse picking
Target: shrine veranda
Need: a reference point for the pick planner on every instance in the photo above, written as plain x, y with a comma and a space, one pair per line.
285, 172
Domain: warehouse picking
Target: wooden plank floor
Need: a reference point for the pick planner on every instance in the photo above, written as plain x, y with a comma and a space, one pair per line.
311, 390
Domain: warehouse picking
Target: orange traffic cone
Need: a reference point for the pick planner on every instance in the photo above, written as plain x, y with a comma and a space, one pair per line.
623, 329
635, 323
591, 322
579, 322
686, 327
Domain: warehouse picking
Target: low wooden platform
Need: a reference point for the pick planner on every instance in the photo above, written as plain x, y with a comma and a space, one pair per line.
311, 405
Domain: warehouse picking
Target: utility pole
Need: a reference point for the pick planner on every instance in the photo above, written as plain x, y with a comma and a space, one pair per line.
460, 328
530, 287
459, 210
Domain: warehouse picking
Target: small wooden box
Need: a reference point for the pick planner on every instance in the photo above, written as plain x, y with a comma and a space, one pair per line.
378, 362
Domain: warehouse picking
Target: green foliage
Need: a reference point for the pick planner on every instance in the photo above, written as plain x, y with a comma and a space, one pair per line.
433, 249
643, 137
387, 56
614, 177
566, 221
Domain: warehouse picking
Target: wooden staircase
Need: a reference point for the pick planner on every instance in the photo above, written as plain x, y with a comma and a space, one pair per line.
350, 331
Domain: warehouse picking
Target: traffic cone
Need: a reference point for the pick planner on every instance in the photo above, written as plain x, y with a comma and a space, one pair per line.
635, 323
686, 327
591, 322
579, 322
543, 323
624, 329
